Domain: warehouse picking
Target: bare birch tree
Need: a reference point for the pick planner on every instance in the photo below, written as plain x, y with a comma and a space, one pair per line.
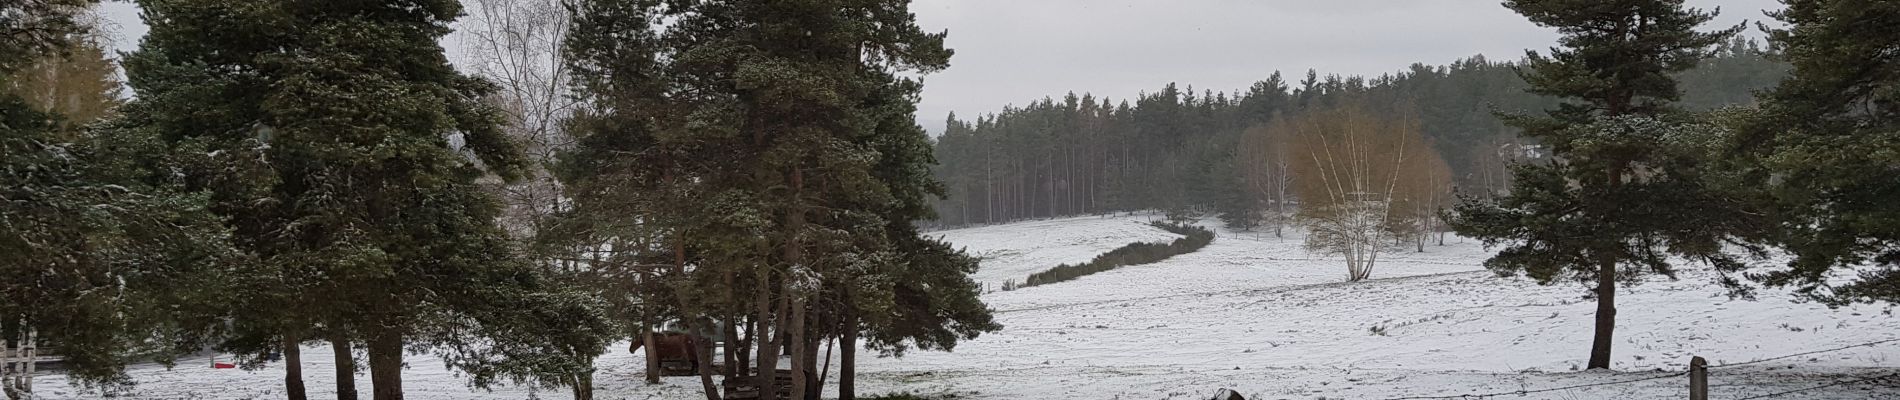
517, 45
1347, 167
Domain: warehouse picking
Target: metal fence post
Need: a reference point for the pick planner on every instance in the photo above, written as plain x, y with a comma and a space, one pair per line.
1698, 379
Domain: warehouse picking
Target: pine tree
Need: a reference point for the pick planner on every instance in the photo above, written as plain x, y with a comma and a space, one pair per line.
922, 295
108, 256
769, 151
1816, 151
656, 201
1732, 75
39, 28
345, 151
1610, 205
1237, 204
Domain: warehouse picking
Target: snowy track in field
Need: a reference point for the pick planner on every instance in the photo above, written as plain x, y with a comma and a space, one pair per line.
1261, 315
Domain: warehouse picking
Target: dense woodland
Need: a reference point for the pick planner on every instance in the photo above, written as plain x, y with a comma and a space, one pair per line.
317, 173
1199, 151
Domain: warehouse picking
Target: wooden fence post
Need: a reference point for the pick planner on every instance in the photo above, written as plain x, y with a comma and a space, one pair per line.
1698, 379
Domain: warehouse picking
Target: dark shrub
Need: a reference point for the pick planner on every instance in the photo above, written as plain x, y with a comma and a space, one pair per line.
1133, 254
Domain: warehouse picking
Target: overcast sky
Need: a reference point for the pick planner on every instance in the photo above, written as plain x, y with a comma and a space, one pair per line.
1018, 51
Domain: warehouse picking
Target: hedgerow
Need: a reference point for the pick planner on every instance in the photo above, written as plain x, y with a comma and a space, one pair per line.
1138, 253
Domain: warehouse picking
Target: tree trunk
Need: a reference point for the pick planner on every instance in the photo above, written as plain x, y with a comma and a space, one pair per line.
704, 361
12, 376
824, 374
730, 356
799, 358
385, 365
847, 359
1051, 180
742, 353
1606, 315
793, 303
988, 192
782, 339
293, 369
345, 367
813, 385
1025, 202
6, 365
32, 350
768, 348
1606, 291
651, 343
583, 385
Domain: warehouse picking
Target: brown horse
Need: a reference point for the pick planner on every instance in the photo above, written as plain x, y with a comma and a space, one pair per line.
672, 348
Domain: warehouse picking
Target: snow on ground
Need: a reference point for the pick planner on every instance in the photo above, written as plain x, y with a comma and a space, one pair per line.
1263, 316
1011, 252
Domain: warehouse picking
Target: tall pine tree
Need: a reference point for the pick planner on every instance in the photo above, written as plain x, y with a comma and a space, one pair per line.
769, 150
344, 150
107, 256
1824, 148
1611, 204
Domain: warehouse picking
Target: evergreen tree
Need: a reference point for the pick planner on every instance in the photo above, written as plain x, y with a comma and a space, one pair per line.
1609, 207
655, 203
1238, 206
39, 28
1732, 75
108, 257
769, 151
921, 295
1822, 150
344, 151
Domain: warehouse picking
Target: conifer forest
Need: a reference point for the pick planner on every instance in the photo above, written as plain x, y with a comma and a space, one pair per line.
949, 199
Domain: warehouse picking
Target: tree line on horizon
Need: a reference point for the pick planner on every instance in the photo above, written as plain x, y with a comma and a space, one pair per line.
1642, 141
1211, 153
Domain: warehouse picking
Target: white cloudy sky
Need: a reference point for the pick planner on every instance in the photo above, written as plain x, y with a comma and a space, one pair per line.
1017, 51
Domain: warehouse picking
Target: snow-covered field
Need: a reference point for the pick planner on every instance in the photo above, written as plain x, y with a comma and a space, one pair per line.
1011, 252
1261, 315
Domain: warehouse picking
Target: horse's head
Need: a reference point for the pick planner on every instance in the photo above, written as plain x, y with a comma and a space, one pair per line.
641, 341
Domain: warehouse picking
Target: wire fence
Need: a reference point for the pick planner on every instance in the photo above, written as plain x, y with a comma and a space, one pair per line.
1523, 392
1813, 388
1809, 353
1527, 392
